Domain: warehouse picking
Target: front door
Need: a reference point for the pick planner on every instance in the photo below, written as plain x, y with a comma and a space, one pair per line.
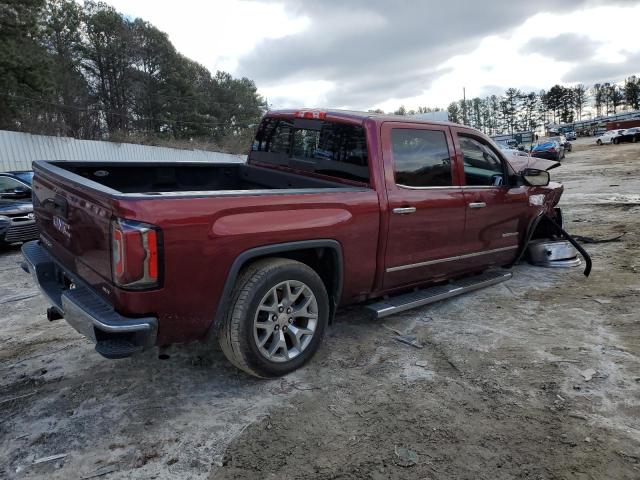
426, 203
496, 217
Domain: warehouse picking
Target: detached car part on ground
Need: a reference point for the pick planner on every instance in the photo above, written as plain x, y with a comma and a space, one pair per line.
333, 208
17, 220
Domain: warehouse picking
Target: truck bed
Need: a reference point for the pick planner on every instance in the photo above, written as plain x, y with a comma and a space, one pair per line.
167, 178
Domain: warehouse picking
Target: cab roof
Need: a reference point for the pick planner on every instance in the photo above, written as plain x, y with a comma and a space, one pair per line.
357, 116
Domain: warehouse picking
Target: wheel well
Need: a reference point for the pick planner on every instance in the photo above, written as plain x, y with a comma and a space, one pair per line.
323, 256
323, 260
545, 229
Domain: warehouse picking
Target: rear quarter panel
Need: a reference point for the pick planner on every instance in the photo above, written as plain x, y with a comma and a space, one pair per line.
204, 235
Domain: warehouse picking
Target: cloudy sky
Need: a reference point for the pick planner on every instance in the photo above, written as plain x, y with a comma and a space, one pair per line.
381, 54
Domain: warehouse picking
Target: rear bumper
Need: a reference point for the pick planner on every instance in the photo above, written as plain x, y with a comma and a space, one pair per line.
546, 155
115, 336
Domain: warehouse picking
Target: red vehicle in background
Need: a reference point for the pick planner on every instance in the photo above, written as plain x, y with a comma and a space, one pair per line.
332, 208
623, 124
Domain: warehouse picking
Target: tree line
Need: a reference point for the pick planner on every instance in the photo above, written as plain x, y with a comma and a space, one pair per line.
87, 71
526, 111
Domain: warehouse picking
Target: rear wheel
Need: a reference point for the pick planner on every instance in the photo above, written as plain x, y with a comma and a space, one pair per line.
615, 141
279, 311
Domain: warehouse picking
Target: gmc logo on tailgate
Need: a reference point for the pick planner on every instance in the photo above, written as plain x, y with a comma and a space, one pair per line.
62, 226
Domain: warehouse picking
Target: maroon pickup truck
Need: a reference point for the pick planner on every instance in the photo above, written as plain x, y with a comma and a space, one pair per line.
331, 208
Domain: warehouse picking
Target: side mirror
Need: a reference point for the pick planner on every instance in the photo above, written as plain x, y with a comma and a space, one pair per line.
536, 178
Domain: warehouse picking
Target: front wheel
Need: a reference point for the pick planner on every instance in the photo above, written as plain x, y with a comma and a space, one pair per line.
615, 141
279, 311
599, 142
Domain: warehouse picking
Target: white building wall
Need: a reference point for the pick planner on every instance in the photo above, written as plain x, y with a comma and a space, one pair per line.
18, 150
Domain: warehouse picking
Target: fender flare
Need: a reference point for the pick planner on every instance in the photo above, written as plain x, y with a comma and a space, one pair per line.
270, 250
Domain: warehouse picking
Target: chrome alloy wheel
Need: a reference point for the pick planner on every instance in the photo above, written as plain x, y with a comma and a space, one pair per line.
285, 321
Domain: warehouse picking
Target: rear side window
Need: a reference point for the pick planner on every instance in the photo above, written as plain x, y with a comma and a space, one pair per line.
328, 148
421, 158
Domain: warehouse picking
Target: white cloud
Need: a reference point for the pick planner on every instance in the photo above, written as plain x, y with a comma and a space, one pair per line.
498, 62
240, 37
298, 94
214, 33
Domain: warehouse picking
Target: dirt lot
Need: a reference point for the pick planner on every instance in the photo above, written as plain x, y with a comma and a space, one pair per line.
537, 378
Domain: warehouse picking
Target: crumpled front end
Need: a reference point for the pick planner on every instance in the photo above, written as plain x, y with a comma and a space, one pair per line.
546, 200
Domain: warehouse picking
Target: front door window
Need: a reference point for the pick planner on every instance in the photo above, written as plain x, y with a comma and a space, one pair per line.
482, 166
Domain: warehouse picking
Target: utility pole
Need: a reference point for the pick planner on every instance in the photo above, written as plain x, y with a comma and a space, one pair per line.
464, 105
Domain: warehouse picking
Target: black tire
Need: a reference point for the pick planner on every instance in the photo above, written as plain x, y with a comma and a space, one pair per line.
599, 142
236, 335
616, 141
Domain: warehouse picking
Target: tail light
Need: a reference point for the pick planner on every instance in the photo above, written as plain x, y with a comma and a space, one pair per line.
135, 254
552, 149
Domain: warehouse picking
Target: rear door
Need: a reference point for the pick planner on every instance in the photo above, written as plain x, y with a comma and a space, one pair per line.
426, 203
496, 216
74, 224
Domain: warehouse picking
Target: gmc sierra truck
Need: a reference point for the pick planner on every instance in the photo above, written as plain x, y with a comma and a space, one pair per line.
331, 208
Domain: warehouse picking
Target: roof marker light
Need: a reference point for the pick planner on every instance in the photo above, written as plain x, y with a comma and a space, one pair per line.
311, 114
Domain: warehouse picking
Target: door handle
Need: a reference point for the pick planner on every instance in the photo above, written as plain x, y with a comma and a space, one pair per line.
404, 210
477, 205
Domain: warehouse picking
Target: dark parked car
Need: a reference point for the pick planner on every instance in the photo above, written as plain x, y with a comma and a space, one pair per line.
563, 141
549, 149
17, 223
571, 135
630, 135
24, 176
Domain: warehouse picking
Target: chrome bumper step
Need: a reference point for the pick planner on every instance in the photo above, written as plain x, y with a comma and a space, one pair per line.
429, 295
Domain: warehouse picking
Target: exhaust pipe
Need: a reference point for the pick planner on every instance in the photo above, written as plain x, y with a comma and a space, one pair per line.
54, 314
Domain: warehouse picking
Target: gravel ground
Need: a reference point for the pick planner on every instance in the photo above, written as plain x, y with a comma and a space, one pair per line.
535, 378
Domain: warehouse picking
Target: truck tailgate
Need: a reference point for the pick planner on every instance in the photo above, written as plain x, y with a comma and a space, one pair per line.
74, 225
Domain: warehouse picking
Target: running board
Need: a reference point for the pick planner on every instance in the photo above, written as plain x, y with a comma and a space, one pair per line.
429, 295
